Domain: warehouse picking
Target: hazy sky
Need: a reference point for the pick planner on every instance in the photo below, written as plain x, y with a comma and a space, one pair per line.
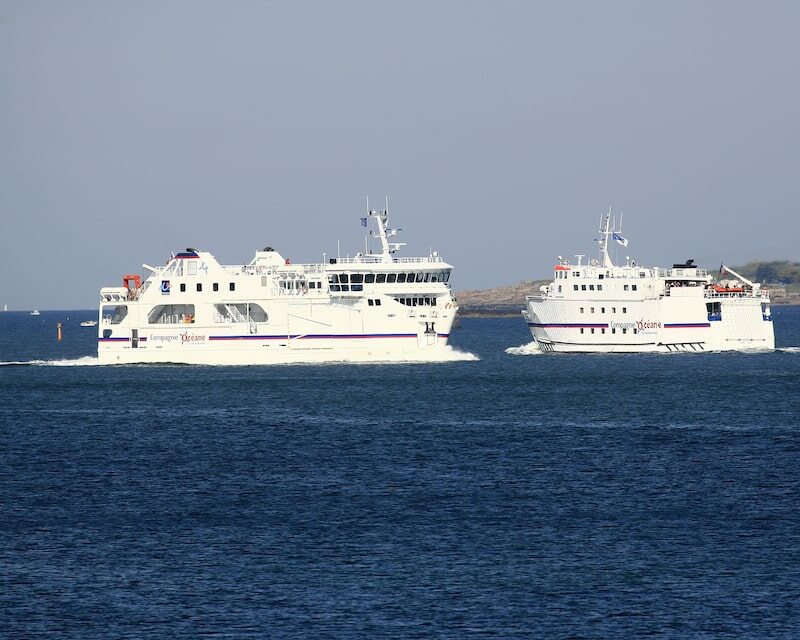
500, 130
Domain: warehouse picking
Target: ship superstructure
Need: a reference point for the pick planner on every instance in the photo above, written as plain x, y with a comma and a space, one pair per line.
598, 306
370, 307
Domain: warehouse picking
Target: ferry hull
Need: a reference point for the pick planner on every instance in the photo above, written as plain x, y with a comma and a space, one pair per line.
245, 351
745, 330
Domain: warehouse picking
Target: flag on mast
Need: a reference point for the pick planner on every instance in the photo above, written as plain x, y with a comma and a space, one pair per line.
620, 239
363, 222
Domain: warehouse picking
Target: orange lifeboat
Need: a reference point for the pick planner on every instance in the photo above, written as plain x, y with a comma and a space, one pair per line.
721, 289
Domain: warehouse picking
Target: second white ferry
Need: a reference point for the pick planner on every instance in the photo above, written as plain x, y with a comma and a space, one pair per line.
602, 307
371, 307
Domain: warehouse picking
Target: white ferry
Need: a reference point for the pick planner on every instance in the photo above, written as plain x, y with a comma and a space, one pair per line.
371, 307
601, 307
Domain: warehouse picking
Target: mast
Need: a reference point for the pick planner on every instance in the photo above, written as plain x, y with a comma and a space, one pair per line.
605, 232
384, 232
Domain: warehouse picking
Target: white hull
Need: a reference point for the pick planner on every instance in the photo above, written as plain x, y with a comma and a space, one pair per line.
603, 308
194, 310
284, 351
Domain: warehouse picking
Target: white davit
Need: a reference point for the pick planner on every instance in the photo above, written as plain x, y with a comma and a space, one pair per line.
602, 307
371, 307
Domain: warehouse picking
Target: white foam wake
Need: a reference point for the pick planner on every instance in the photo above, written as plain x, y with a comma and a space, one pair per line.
530, 349
85, 361
789, 349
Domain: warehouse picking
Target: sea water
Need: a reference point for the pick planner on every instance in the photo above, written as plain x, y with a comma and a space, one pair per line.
520, 495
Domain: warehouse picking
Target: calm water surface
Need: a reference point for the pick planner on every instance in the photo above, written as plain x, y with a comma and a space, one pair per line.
538, 496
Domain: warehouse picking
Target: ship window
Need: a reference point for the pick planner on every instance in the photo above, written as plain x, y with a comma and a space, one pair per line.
199, 286
401, 277
369, 278
624, 330
343, 278
577, 274
446, 276
625, 286
624, 309
232, 286
377, 302
559, 288
592, 329
634, 332
602, 330
183, 286
215, 287
592, 309
581, 309
642, 274
433, 302
613, 309
633, 286
191, 267
602, 309
390, 278
613, 330
370, 302
599, 287
421, 276
171, 314
583, 287
358, 278
356, 287
114, 314
575, 286
581, 329
600, 276
591, 287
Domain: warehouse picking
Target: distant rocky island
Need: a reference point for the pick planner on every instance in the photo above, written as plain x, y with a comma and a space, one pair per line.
782, 278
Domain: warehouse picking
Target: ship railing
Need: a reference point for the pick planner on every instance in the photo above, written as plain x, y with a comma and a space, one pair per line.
373, 259
710, 293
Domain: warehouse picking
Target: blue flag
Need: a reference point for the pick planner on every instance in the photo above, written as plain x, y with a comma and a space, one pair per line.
363, 222
620, 239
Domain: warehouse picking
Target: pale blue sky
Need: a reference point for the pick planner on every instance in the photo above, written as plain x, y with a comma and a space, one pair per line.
500, 130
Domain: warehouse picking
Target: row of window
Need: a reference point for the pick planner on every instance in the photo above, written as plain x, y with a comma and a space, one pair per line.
417, 302
560, 275
603, 310
613, 330
214, 286
374, 302
185, 313
389, 278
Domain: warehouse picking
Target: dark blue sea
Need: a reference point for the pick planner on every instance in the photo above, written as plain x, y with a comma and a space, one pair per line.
544, 496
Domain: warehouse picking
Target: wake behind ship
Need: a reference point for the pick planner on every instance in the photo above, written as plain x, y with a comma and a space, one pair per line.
602, 307
372, 307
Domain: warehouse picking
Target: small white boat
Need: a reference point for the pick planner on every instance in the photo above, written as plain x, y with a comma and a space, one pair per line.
89, 323
35, 312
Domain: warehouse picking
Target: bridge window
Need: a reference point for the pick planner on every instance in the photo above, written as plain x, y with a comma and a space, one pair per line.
114, 314
390, 278
369, 278
401, 277
344, 278
380, 278
358, 278
420, 276
171, 314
